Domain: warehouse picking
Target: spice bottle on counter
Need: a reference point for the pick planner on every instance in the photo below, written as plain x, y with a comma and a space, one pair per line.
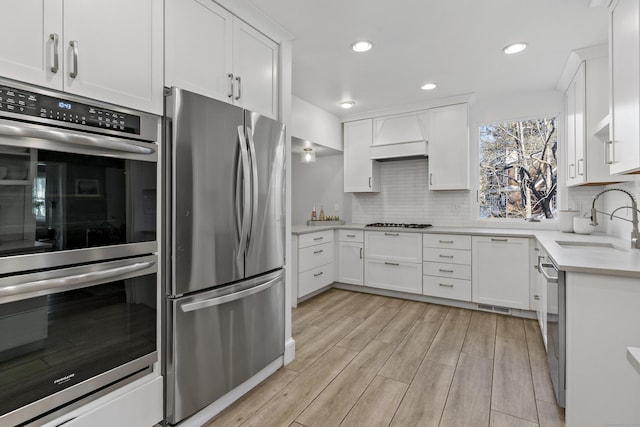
314, 217
321, 213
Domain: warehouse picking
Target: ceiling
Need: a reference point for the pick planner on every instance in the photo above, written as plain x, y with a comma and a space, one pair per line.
455, 43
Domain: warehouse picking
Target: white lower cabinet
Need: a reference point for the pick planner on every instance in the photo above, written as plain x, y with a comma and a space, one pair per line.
394, 276
315, 257
444, 287
447, 266
351, 257
393, 261
500, 271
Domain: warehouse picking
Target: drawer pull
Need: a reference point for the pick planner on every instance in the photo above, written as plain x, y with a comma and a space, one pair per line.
445, 256
351, 235
445, 271
444, 285
445, 241
318, 238
318, 274
536, 297
499, 240
318, 252
391, 234
392, 263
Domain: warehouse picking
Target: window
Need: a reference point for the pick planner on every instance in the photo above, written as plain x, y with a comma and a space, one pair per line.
518, 169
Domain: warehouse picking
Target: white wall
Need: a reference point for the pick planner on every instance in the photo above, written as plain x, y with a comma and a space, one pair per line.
321, 183
613, 200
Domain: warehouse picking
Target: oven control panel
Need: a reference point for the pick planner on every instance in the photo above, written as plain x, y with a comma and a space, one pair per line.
19, 101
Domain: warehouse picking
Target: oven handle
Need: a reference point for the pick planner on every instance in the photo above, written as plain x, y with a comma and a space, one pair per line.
75, 138
550, 279
71, 282
193, 306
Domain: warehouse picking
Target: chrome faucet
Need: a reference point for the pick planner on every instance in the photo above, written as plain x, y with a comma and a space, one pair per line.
635, 234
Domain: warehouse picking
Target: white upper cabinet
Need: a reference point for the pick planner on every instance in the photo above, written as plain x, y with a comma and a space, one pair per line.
213, 53
100, 52
624, 57
114, 56
361, 174
449, 148
32, 38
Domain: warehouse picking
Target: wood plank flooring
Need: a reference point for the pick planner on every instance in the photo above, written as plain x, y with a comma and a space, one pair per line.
368, 360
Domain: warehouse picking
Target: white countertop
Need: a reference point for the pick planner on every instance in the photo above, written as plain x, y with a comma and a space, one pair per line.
623, 262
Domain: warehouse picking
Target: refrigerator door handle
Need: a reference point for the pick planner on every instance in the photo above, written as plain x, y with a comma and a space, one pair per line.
254, 181
198, 305
244, 232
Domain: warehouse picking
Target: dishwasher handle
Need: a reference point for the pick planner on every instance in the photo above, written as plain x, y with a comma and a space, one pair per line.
211, 302
550, 279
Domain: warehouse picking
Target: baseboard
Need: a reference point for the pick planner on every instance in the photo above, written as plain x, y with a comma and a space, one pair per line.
289, 351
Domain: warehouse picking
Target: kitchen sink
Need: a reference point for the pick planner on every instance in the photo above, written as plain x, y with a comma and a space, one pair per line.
591, 246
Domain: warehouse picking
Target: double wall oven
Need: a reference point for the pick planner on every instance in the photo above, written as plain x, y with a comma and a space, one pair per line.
78, 250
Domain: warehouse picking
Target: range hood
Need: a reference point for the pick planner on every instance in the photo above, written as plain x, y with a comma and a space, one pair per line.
400, 137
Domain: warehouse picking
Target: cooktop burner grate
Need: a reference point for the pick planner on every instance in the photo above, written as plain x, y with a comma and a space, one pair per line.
397, 225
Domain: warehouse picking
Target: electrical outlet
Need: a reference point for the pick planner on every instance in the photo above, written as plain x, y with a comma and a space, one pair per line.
336, 207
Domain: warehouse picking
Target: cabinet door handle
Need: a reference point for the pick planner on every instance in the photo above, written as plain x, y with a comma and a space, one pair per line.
318, 238
499, 240
445, 241
445, 271
580, 166
239, 88
318, 274
430, 179
607, 152
572, 170
74, 71
55, 67
369, 182
444, 285
318, 252
230, 94
360, 253
392, 263
445, 256
391, 234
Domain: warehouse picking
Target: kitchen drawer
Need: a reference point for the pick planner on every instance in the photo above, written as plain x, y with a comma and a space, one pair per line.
447, 241
452, 256
306, 240
454, 271
315, 279
351, 236
395, 276
393, 246
315, 256
445, 287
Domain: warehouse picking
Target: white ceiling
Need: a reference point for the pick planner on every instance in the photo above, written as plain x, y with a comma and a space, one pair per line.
456, 43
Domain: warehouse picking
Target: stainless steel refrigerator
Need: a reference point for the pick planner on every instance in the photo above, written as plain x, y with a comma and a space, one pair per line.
224, 234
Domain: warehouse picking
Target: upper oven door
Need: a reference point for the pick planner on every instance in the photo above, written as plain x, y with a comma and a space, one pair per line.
69, 197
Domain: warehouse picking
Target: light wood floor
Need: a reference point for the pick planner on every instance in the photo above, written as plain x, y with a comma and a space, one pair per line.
368, 360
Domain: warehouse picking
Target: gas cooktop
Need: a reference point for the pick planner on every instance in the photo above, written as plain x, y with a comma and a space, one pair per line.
397, 225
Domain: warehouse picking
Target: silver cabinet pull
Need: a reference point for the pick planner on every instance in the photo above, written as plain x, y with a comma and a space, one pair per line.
499, 240
351, 235
392, 263
318, 238
318, 274
391, 234
445, 256
444, 285
230, 94
536, 297
239, 88
360, 253
572, 170
445, 241
607, 152
580, 166
369, 182
318, 252
430, 179
54, 68
445, 271
74, 71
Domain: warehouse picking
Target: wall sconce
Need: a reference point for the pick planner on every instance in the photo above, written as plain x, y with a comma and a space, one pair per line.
307, 155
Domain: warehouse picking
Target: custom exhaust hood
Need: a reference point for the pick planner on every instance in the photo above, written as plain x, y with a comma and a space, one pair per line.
400, 137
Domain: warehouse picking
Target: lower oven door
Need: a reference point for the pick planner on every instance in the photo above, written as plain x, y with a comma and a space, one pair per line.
556, 329
71, 332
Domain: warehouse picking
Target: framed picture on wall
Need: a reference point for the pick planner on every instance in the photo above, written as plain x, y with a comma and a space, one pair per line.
87, 187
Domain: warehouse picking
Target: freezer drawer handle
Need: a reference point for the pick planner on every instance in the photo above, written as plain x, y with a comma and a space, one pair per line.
74, 281
211, 302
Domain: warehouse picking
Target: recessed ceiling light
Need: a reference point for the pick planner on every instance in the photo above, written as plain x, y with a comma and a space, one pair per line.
514, 48
362, 46
428, 86
346, 104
